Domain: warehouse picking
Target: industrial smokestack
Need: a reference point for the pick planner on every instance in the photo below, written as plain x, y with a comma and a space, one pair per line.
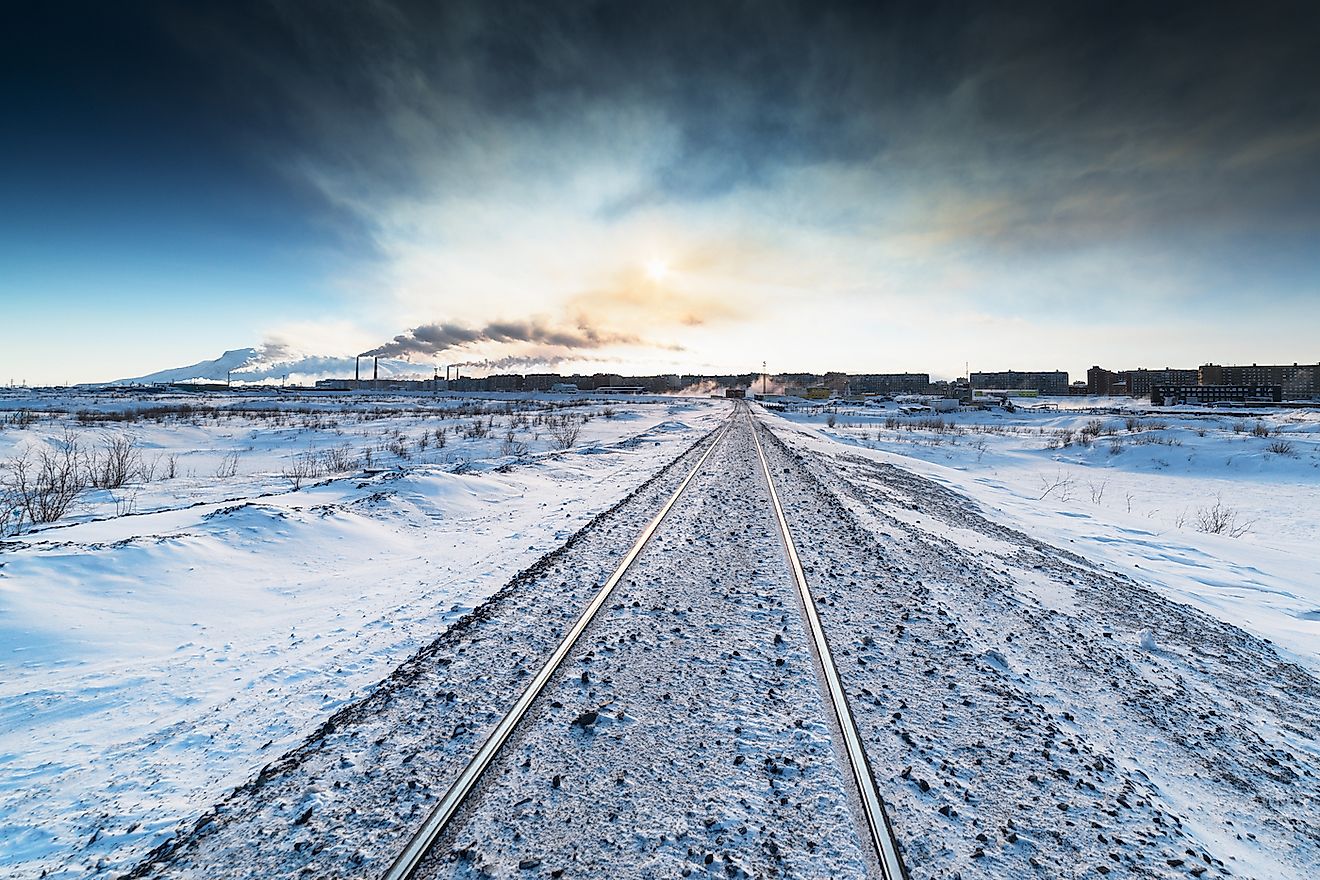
375, 370
357, 369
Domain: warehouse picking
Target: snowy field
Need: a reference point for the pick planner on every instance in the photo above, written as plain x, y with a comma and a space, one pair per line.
239, 567
229, 571
1216, 508
1025, 712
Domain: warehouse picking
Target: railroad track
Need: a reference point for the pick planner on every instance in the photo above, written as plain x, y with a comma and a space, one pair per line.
887, 859
874, 816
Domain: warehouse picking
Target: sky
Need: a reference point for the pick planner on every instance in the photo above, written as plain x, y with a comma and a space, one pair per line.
657, 188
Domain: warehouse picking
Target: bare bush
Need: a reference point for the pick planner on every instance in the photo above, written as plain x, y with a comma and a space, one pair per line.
477, 430
24, 418
1098, 491
228, 466
1260, 429
44, 486
338, 460
1280, 447
399, 448
1156, 440
441, 437
1218, 519
512, 446
1061, 439
933, 423
565, 432
608, 412
125, 503
1091, 430
303, 466
117, 462
830, 420
1059, 483
11, 512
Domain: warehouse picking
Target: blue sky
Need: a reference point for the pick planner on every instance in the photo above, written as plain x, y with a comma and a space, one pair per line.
592, 185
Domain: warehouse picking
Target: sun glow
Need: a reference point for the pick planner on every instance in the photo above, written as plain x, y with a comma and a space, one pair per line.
657, 270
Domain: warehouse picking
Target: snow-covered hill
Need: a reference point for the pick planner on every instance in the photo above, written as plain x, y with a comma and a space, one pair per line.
273, 365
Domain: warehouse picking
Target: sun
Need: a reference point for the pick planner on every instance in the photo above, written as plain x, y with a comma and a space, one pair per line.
657, 270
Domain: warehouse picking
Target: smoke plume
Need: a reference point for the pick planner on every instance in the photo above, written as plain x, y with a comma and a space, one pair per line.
430, 339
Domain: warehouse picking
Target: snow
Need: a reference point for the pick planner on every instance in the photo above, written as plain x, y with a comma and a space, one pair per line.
379, 764
708, 741
1027, 710
1052, 668
151, 661
1135, 510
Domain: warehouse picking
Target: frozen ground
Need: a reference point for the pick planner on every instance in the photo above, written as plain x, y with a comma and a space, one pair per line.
345, 802
1216, 510
1026, 712
165, 639
1029, 713
1049, 684
708, 746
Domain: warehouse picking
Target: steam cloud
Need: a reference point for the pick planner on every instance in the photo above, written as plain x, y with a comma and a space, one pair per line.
430, 339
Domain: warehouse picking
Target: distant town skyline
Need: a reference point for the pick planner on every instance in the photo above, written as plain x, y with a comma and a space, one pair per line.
642, 190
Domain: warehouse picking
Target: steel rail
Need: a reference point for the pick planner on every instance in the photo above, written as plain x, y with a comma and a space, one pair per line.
406, 864
877, 821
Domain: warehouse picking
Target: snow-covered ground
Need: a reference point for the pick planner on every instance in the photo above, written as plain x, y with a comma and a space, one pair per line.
1025, 712
1007, 595
700, 663
1217, 509
164, 639
1029, 713
343, 804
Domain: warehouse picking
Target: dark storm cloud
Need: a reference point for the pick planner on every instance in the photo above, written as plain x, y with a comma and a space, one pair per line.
1064, 121
430, 339
1020, 125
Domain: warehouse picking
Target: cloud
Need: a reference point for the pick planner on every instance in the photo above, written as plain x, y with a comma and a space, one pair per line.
865, 165
431, 339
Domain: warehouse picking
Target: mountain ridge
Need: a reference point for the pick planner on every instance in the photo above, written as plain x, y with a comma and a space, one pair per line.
260, 366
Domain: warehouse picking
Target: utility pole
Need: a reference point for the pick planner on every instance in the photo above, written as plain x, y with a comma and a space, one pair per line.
765, 378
